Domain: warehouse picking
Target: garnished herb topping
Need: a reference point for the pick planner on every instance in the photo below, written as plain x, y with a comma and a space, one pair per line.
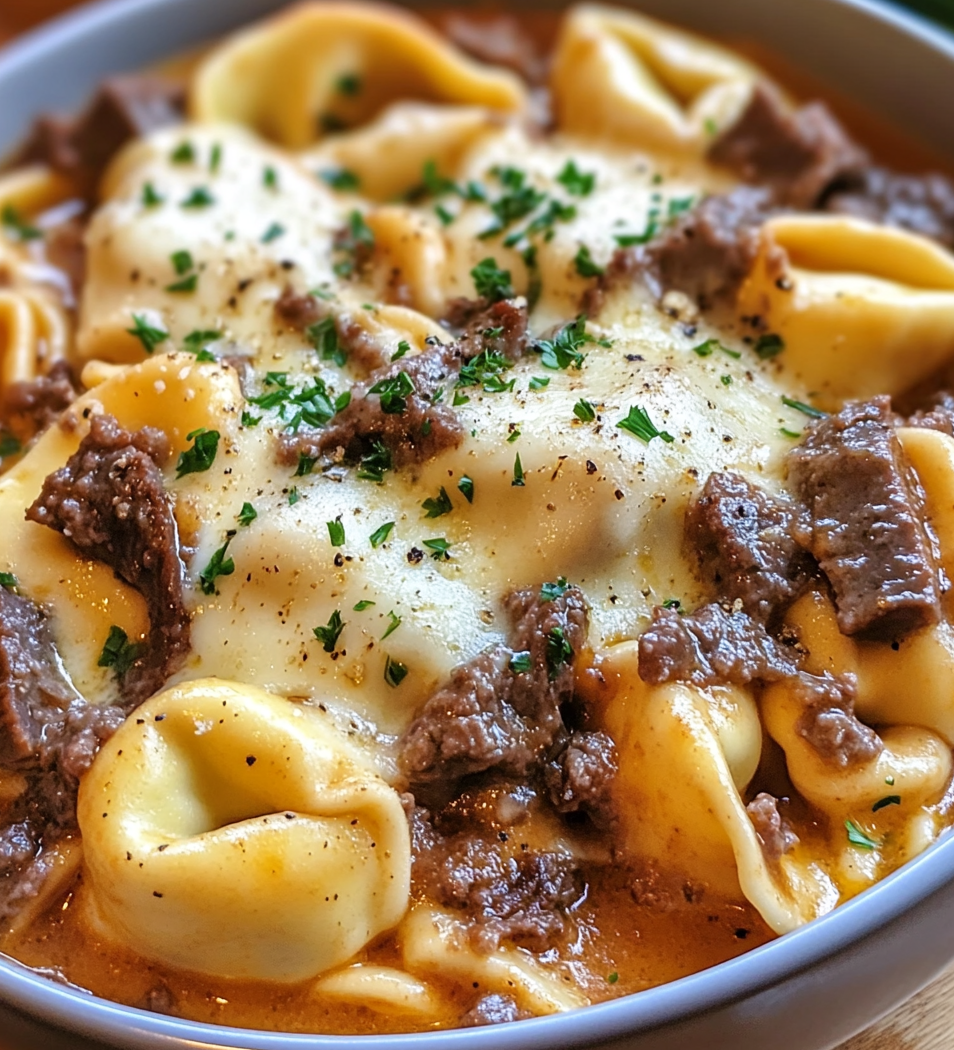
340, 178
147, 334
638, 422
355, 241
584, 411
484, 371
514, 433
201, 456
559, 652
269, 177
539, 382
365, 603
629, 240
312, 405
585, 266
394, 672
150, 198
438, 546
769, 346
394, 393
196, 343
888, 800
336, 532
328, 635
574, 181
306, 464
672, 603
8, 580
323, 336
785, 432
293, 496
466, 488
184, 153
490, 281
517, 481
800, 406
563, 350
677, 206
200, 197
181, 261
555, 211
519, 200
218, 566
550, 591
460, 399
16, 227
9, 445
247, 514
446, 217
119, 652
393, 625
274, 231
436, 185
520, 663
187, 284
711, 345
215, 157
403, 347
376, 463
348, 84
381, 534
858, 838
725, 380
436, 507
612, 978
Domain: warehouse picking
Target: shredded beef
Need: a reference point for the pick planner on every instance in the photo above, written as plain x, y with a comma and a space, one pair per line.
471, 319
938, 414
493, 1009
40, 401
300, 312
745, 541
124, 108
774, 833
580, 777
796, 155
488, 716
867, 526
711, 646
829, 724
109, 500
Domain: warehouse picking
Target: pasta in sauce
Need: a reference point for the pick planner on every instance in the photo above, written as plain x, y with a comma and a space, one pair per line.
477, 539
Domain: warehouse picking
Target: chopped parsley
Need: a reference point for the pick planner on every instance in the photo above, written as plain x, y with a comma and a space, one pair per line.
437, 506
711, 345
247, 514
336, 532
672, 603
550, 591
539, 382
354, 241
215, 157
888, 800
785, 432
490, 281
769, 346
269, 177
393, 625
858, 838
484, 371
612, 978
394, 672
184, 153
585, 266
520, 663
466, 488
460, 399
181, 261
438, 546
200, 197
394, 393
323, 336
517, 481
8, 580
293, 496
187, 284
555, 211
118, 652
725, 380
328, 635
17, 227
576, 182
375, 464
446, 217
678, 206
197, 342
274, 231
800, 406
519, 200
147, 334
381, 534
559, 652
584, 411
514, 433
312, 405
638, 422
629, 240
340, 178
306, 464
201, 456
9, 445
563, 350
348, 84
403, 348
710, 126
218, 566
365, 603
150, 198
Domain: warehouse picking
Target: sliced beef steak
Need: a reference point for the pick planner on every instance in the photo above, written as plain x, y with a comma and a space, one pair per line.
110, 502
867, 526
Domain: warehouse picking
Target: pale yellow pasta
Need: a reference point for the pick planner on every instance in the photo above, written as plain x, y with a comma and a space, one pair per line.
34, 334
849, 299
931, 454
222, 801
381, 988
409, 258
285, 80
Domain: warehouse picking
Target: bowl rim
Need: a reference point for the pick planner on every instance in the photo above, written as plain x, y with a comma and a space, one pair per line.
758, 970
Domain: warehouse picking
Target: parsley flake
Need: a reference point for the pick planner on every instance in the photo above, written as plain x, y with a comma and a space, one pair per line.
200, 197
365, 603
274, 231
437, 506
563, 350
340, 178
348, 84
858, 838
147, 334
888, 800
438, 546
218, 566
184, 153
490, 281
306, 464
328, 635
466, 488
393, 625
394, 393
585, 266
118, 652
638, 422
520, 663
394, 672
215, 157
336, 532
484, 371
381, 534
707, 348
323, 336
187, 284
551, 591
269, 177
403, 347
800, 406
584, 411
612, 978
518, 480
182, 261
17, 227
9, 445
247, 514
150, 198
375, 464
539, 382
559, 652
576, 182
200, 457
8, 580
769, 346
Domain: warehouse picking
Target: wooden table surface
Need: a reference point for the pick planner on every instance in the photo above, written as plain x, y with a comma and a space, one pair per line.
925, 1023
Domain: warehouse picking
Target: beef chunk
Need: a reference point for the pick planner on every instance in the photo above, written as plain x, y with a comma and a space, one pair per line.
711, 646
829, 724
923, 204
124, 108
867, 529
745, 541
580, 777
797, 155
499, 41
775, 835
300, 312
472, 319
938, 414
109, 500
493, 1009
489, 716
40, 401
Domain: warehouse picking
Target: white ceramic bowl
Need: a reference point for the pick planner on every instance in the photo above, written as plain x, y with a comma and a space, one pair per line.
808, 990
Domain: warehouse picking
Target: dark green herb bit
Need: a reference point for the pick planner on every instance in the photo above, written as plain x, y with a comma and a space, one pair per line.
306, 464
200, 197
514, 433
393, 625
273, 232
484, 371
348, 84
293, 496
769, 345
8, 580
711, 127
517, 481
800, 406
629, 240
519, 200
375, 463
215, 157
725, 380
336, 532
381, 534
671, 603
678, 206
17, 227
323, 336
147, 334
520, 663
356, 240
150, 198
247, 514
579, 183
340, 178
888, 800
446, 217
585, 266
365, 603
439, 505
711, 345
785, 432
328, 636
858, 838
218, 566
197, 342
201, 456
182, 261
612, 978
466, 488
438, 546
249, 420
118, 652
187, 284
563, 350
638, 422
490, 281
539, 382
550, 591
270, 177
460, 399
9, 445
184, 153
394, 672
394, 393
559, 652
584, 411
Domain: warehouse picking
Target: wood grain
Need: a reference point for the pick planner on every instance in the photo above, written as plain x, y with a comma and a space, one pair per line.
925, 1023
